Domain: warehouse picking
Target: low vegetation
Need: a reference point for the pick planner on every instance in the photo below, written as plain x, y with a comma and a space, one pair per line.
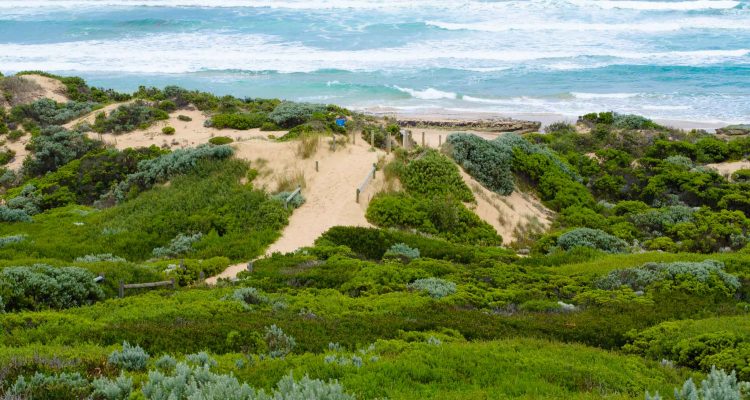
640, 286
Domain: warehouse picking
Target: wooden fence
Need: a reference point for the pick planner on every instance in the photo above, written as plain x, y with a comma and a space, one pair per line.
296, 192
363, 186
124, 286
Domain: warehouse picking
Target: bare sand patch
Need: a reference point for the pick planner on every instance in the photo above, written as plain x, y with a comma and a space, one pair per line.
726, 169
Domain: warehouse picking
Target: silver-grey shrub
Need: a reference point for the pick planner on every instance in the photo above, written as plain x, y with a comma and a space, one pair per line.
179, 245
290, 114
130, 358
199, 382
718, 385
112, 389
13, 215
40, 383
489, 164
6, 240
108, 257
643, 276
403, 251
435, 287
249, 296
42, 286
593, 238
279, 343
161, 168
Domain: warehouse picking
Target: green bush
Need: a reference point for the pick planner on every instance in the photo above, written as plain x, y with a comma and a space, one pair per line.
128, 117
242, 121
401, 251
488, 164
709, 272
168, 130
434, 174
181, 244
289, 114
55, 147
47, 112
184, 118
220, 140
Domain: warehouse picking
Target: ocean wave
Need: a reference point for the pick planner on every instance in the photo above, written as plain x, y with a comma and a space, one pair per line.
195, 52
427, 94
590, 96
690, 5
582, 26
386, 5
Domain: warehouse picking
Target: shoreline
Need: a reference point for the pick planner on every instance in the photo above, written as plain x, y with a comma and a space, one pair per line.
448, 115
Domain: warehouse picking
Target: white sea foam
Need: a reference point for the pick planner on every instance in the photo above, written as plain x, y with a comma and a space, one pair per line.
193, 52
427, 94
660, 5
589, 96
583, 26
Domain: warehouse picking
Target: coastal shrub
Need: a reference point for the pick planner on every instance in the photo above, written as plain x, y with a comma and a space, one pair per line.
128, 117
130, 358
632, 121
220, 140
296, 202
181, 244
718, 385
164, 167
105, 257
13, 215
249, 296
709, 272
279, 343
168, 130
15, 134
47, 112
741, 176
435, 287
290, 114
710, 149
593, 238
6, 240
167, 105
6, 156
63, 385
434, 174
443, 216
239, 121
270, 126
401, 251
41, 286
55, 147
112, 389
487, 163
184, 118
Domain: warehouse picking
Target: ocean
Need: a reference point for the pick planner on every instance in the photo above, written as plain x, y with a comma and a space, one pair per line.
680, 60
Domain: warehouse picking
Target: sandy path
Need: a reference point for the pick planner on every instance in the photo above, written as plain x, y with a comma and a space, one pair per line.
726, 169
329, 193
506, 213
51, 88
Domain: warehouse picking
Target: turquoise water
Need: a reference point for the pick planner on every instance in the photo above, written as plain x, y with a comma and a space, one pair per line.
687, 60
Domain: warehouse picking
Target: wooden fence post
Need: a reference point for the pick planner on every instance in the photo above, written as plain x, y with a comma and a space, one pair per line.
174, 285
372, 140
202, 276
374, 168
357, 195
388, 144
316, 166
122, 289
422, 139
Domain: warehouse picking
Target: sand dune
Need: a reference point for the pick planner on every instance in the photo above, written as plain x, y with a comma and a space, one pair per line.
728, 168
507, 213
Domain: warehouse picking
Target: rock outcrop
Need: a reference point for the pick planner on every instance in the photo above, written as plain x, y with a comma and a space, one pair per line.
493, 125
734, 130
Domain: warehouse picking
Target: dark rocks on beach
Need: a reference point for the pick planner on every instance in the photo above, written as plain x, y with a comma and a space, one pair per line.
494, 125
734, 130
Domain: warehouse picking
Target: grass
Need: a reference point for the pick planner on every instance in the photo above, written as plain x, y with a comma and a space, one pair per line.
307, 146
290, 180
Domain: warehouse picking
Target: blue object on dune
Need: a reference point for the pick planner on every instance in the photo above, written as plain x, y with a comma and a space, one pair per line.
341, 121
